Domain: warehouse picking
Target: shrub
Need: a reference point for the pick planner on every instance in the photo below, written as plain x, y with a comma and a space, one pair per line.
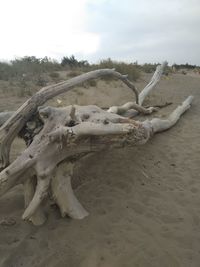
41, 81
92, 83
54, 75
184, 66
149, 68
6, 71
183, 72
74, 73
124, 68
72, 62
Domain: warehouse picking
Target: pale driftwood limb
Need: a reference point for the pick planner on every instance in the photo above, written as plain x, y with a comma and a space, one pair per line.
38, 218
131, 105
160, 125
41, 192
131, 113
161, 105
138, 107
155, 79
63, 194
15, 123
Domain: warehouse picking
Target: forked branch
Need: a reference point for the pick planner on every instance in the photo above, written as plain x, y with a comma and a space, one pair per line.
148, 88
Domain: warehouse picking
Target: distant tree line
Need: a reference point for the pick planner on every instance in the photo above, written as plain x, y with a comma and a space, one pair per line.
72, 62
184, 66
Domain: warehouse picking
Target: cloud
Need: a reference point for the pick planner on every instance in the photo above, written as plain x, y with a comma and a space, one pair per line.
45, 28
145, 30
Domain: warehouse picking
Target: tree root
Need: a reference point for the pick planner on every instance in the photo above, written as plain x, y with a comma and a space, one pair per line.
38, 217
63, 194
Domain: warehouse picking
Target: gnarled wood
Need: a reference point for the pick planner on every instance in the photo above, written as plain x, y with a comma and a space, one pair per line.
58, 137
15, 123
137, 107
63, 194
160, 125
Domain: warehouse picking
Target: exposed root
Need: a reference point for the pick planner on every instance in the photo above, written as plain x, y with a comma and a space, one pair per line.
63, 194
38, 218
160, 125
40, 193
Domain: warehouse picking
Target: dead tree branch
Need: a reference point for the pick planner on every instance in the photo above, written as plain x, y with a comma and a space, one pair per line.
148, 88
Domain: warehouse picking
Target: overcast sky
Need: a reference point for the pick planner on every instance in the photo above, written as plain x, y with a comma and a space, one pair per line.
127, 30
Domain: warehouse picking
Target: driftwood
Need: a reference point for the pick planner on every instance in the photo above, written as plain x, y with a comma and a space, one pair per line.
58, 137
16, 122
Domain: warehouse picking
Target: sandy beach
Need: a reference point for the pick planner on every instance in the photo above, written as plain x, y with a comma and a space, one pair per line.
144, 201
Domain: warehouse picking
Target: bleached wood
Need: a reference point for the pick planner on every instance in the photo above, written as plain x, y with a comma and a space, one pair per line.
38, 218
160, 125
49, 148
63, 193
131, 105
15, 123
151, 85
137, 108
90, 129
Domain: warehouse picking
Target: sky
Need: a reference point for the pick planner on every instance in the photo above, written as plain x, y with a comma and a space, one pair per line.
128, 30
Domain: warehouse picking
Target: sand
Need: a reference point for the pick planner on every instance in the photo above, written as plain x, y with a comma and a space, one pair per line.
143, 201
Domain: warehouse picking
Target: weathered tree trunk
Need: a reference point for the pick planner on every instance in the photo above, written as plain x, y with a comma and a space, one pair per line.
46, 166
